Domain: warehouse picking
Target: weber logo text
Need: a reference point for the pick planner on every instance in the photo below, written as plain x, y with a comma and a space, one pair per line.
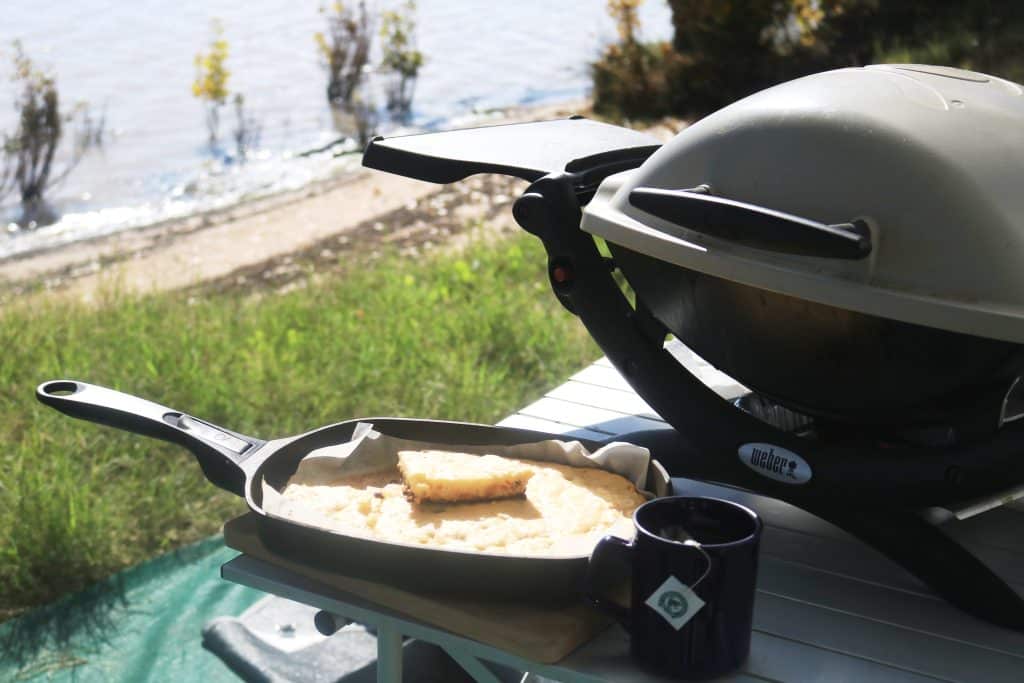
767, 460
775, 462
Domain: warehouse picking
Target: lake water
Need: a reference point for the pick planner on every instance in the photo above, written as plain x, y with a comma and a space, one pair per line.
135, 60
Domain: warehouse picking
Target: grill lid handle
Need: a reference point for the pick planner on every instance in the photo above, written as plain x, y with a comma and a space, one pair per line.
753, 226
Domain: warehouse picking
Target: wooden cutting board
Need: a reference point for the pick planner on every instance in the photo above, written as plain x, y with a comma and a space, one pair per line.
541, 634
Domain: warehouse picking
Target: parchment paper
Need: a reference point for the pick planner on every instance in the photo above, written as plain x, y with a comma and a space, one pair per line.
371, 451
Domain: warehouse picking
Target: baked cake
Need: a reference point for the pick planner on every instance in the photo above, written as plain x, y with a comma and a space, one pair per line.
564, 510
446, 477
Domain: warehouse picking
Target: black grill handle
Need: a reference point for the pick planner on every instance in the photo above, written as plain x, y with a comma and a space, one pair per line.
753, 226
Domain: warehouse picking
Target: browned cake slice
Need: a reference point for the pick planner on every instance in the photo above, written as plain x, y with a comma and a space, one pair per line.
444, 476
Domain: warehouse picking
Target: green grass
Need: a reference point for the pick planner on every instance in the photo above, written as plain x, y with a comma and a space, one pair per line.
468, 337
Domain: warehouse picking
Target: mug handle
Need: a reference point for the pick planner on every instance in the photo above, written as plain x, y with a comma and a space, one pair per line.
622, 551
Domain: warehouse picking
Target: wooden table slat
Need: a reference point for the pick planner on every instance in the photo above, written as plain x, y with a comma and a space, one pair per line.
782, 659
921, 613
549, 426
601, 397
851, 559
589, 417
883, 642
724, 385
602, 376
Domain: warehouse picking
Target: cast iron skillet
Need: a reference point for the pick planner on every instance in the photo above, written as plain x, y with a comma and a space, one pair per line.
240, 464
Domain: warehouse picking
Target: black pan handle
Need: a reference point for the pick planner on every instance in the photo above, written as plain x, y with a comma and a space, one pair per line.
219, 451
753, 226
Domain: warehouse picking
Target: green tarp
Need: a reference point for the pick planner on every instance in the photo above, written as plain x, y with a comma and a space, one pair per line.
141, 625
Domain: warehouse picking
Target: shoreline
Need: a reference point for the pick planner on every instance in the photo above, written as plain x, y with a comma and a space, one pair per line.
207, 246
257, 237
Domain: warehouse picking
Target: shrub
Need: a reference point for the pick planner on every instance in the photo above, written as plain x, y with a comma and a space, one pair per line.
211, 82
211, 86
247, 129
27, 163
398, 33
728, 50
630, 77
344, 51
631, 80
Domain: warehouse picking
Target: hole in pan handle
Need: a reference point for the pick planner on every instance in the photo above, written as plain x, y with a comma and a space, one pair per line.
218, 450
753, 226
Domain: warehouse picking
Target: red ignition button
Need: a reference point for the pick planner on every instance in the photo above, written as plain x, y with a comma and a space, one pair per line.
561, 274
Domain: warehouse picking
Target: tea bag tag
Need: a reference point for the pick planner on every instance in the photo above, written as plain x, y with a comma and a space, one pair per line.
675, 602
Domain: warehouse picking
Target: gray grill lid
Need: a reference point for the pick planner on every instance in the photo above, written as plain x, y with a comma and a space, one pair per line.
929, 160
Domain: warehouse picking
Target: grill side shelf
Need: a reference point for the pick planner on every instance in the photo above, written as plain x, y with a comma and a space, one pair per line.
523, 150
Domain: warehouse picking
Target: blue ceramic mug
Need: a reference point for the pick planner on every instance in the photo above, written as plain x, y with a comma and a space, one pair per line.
693, 569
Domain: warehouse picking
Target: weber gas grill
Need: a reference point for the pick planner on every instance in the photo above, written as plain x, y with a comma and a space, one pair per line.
848, 245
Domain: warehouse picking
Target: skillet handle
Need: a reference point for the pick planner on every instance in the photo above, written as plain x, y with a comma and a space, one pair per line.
218, 450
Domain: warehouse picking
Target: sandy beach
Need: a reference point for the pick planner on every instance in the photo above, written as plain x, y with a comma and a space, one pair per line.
365, 210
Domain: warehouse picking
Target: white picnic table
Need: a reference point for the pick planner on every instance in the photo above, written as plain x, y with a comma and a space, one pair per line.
828, 607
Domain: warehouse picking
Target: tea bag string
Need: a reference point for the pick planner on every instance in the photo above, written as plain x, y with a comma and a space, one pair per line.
707, 558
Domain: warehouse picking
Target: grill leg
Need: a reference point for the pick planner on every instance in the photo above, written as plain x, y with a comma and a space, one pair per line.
389, 653
949, 569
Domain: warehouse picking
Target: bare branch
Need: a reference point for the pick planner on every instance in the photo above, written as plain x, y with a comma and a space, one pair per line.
7, 163
88, 136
